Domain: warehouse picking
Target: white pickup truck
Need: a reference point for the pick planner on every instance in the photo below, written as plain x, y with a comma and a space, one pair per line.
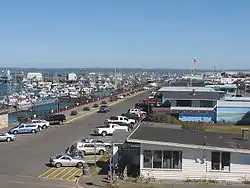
120, 119
136, 111
41, 123
109, 129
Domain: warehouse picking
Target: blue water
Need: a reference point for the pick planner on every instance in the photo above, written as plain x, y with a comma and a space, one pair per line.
39, 111
42, 109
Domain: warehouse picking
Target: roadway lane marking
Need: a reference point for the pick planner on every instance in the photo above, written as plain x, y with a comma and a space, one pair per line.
18, 182
81, 116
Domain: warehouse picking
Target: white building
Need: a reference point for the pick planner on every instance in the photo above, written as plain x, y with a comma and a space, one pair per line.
182, 154
72, 77
35, 76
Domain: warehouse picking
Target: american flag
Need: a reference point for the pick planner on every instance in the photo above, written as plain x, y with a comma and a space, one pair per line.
195, 62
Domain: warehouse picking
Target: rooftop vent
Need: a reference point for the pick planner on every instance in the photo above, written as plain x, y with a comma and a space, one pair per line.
244, 136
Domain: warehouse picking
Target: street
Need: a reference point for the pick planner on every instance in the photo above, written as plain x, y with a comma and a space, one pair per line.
28, 155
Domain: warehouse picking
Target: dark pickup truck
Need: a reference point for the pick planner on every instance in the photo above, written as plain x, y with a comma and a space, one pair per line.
56, 119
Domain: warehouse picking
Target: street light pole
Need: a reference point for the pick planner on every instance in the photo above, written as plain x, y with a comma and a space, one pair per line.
95, 152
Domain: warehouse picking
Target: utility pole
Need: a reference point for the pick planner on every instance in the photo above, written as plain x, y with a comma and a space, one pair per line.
95, 152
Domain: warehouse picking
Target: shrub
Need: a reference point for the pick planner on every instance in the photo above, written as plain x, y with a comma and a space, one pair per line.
103, 102
194, 127
86, 108
95, 105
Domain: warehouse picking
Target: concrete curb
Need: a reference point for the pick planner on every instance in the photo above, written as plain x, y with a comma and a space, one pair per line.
96, 110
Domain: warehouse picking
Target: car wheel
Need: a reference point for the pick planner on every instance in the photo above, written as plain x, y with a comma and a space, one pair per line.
101, 152
33, 131
104, 133
8, 139
58, 165
79, 165
15, 132
44, 127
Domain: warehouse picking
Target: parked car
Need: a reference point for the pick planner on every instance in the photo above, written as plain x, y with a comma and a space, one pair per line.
56, 119
73, 113
7, 137
25, 128
95, 141
120, 96
109, 129
136, 111
104, 108
65, 160
41, 123
91, 148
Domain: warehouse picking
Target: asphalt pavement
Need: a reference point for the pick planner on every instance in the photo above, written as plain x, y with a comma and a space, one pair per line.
28, 155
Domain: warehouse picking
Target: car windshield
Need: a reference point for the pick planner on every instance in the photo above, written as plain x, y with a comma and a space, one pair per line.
58, 156
104, 105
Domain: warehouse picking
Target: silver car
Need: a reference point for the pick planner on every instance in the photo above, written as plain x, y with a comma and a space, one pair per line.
65, 160
7, 137
91, 148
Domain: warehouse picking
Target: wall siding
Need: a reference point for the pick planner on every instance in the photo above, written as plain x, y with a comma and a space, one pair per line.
192, 169
3, 121
232, 115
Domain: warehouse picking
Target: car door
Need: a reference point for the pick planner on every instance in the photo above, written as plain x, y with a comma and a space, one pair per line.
21, 129
2, 137
90, 148
66, 161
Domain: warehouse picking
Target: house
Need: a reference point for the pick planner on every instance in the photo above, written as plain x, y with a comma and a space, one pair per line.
72, 77
36, 76
189, 103
184, 154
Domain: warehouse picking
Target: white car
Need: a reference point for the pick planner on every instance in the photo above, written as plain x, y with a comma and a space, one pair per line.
65, 160
120, 119
120, 97
109, 129
7, 137
41, 123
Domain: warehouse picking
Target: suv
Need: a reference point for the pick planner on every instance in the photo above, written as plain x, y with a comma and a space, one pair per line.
56, 119
91, 148
104, 108
25, 128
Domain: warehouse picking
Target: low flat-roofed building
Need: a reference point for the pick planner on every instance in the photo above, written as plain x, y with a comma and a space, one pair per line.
184, 154
189, 103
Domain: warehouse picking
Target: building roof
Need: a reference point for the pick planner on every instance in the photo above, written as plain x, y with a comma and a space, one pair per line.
120, 136
187, 88
187, 138
193, 95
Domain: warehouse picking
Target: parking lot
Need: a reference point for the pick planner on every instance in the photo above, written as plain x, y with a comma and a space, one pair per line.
29, 154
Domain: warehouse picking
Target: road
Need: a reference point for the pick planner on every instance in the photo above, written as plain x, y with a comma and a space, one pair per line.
27, 156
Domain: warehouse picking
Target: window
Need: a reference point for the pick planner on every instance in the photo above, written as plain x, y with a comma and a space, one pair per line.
220, 161
157, 159
206, 104
147, 159
162, 159
183, 103
172, 159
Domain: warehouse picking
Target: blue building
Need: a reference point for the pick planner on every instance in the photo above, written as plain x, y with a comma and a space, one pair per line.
234, 111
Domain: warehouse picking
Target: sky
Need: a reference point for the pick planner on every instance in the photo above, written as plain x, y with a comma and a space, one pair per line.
125, 34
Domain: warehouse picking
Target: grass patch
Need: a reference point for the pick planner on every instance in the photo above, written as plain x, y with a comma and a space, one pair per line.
226, 129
